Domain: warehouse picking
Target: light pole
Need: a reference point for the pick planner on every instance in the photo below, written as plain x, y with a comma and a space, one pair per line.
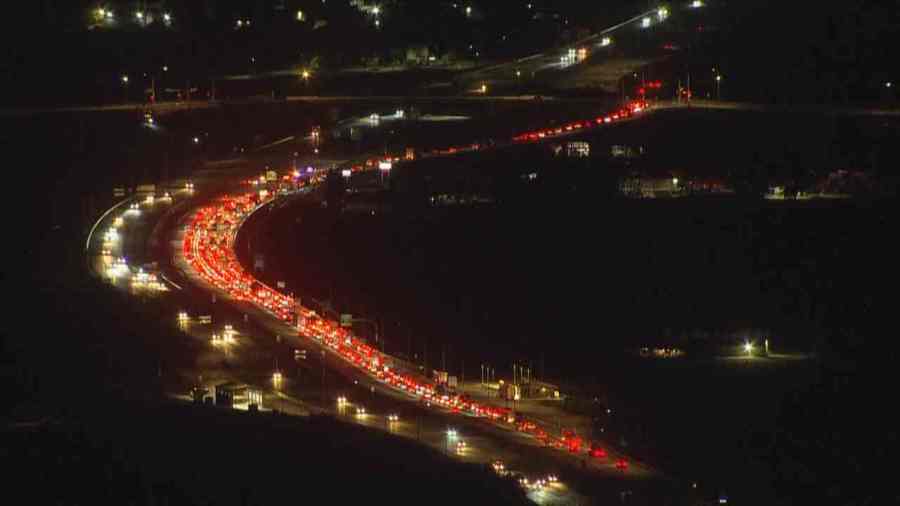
125, 87
718, 87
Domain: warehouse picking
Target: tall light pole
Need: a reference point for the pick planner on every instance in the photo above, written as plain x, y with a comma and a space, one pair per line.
718, 87
125, 87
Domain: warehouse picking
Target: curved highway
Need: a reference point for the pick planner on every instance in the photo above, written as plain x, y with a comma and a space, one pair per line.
202, 255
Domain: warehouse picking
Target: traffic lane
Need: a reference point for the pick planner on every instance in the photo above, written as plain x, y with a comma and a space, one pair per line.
381, 401
347, 369
430, 428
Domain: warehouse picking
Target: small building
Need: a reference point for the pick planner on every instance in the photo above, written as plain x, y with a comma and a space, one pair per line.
622, 151
578, 149
651, 187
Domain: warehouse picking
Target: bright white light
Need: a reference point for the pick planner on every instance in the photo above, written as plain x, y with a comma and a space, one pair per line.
748, 347
377, 22
376, 10
645, 23
124, 79
605, 41
696, 4
663, 13
346, 172
384, 165
196, 140
139, 15
240, 23
299, 15
888, 84
468, 10
399, 113
167, 17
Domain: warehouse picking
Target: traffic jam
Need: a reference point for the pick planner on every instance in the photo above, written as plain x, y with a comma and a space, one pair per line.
208, 247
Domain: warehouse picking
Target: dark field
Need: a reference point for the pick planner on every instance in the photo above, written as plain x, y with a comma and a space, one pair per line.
557, 273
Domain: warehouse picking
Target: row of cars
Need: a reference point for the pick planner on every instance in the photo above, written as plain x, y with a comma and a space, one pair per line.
632, 108
208, 248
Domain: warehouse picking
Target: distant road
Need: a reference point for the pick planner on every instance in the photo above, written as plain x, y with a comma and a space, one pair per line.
167, 107
799, 108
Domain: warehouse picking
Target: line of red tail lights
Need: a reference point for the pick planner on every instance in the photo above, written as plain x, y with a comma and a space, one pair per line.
208, 248
634, 107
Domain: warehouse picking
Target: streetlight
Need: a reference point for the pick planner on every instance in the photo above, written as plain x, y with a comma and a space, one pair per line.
125, 79
468, 10
718, 87
376, 10
299, 15
748, 347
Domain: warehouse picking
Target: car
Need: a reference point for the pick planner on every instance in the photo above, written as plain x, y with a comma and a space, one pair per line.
598, 453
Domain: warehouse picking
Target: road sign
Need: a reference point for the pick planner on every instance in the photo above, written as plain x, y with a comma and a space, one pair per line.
346, 320
118, 192
300, 354
204, 319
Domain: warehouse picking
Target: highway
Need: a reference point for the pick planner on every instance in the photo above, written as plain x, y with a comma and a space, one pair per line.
558, 59
191, 262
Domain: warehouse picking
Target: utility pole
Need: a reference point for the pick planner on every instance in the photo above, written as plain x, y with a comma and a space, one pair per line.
690, 92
